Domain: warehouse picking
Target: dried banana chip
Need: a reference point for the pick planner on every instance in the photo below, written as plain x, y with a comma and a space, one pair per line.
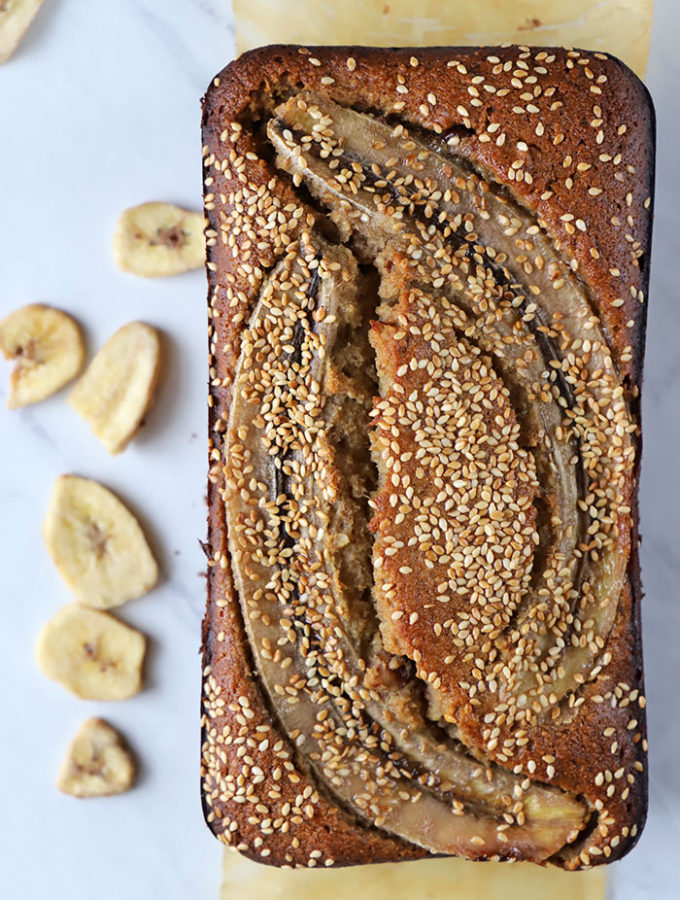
158, 239
15, 17
117, 388
91, 654
47, 345
98, 762
97, 544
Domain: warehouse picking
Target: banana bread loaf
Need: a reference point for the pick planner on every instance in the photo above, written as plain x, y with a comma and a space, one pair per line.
427, 295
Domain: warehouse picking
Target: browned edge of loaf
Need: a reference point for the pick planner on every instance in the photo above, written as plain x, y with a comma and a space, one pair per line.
605, 111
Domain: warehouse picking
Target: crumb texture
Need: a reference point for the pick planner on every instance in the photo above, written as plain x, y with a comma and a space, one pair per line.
427, 307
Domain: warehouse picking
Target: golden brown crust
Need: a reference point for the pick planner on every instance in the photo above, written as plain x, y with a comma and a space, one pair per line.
571, 134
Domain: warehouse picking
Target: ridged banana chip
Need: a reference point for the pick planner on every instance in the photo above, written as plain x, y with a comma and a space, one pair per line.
98, 762
158, 239
47, 345
15, 17
117, 388
91, 654
97, 544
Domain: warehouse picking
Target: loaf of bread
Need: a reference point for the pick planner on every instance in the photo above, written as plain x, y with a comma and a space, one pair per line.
427, 295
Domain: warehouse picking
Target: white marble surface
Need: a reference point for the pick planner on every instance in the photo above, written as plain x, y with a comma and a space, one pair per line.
99, 110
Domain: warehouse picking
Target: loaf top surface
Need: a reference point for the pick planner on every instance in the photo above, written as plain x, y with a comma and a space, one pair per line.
565, 139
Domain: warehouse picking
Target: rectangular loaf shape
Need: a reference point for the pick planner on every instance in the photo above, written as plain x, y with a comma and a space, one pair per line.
428, 276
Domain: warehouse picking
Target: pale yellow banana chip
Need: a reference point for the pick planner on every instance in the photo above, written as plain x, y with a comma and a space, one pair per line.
97, 544
116, 389
47, 345
15, 17
98, 762
91, 654
158, 239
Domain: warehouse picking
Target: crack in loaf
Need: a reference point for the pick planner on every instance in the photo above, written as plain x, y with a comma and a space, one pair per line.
428, 463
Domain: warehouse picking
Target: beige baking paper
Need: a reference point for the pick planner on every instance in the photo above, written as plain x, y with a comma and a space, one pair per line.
430, 879
621, 27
